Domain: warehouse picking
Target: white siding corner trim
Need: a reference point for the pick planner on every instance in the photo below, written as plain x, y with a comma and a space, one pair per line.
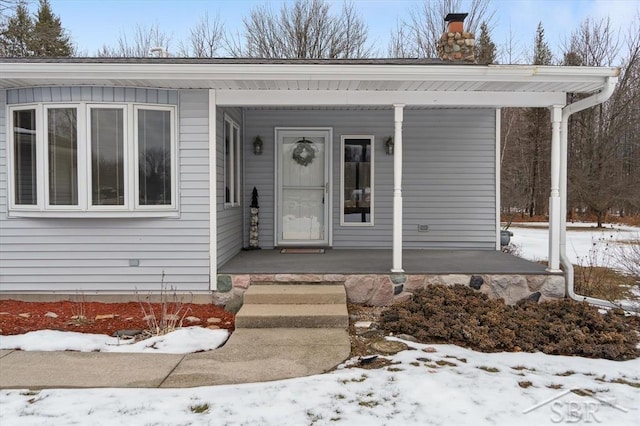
213, 221
498, 182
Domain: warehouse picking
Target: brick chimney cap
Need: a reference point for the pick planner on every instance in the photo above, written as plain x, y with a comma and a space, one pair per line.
455, 17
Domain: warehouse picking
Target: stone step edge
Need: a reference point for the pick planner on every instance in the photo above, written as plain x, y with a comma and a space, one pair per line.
293, 310
298, 295
293, 316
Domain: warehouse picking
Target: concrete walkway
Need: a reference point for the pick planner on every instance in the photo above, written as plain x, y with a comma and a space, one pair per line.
250, 355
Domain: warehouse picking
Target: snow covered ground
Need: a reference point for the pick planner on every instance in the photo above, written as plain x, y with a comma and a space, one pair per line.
181, 341
451, 386
584, 246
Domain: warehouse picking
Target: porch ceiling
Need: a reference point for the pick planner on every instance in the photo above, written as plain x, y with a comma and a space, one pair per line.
376, 77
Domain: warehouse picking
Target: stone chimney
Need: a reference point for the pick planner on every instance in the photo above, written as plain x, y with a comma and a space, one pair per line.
456, 44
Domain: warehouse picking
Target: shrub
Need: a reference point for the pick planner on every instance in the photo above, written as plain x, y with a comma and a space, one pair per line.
172, 310
462, 316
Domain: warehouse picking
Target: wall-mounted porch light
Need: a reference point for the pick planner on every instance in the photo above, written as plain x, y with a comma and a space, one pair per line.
388, 145
257, 145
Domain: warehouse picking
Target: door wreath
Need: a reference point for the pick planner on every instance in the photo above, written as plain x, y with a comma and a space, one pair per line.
304, 152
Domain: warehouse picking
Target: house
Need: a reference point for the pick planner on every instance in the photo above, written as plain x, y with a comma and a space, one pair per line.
113, 171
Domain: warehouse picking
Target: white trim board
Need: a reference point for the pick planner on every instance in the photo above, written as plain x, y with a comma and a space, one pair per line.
388, 97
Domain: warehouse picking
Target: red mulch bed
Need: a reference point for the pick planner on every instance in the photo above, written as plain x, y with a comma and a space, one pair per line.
125, 316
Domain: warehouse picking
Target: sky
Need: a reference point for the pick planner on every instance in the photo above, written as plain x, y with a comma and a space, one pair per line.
94, 23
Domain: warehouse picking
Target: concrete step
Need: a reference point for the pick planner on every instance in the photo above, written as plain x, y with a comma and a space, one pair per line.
295, 294
292, 316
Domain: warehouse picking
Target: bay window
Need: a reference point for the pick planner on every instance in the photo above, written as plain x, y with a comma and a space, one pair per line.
92, 158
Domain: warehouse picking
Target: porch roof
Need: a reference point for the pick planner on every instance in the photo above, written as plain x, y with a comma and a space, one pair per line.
328, 82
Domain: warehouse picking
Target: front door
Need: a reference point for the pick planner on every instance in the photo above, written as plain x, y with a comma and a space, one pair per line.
303, 186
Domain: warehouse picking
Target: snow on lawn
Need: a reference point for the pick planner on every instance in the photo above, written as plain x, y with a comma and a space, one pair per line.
181, 341
467, 388
584, 246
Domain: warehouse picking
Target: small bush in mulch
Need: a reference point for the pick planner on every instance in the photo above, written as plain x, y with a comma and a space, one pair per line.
459, 315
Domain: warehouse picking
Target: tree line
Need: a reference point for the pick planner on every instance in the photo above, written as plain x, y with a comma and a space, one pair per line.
604, 142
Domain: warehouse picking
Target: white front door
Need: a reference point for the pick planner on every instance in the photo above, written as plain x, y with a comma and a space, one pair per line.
303, 186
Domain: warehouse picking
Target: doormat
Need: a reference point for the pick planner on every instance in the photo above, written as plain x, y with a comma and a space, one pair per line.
302, 251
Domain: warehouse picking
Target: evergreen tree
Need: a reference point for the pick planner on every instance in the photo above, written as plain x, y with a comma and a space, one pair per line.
50, 39
541, 53
485, 47
16, 36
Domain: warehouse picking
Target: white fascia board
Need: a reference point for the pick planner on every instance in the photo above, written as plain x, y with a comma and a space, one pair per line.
351, 97
198, 72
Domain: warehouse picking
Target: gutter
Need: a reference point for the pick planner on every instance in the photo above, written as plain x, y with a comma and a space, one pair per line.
567, 112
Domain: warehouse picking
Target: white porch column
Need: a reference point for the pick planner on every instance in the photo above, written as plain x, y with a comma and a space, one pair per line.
213, 219
397, 188
554, 198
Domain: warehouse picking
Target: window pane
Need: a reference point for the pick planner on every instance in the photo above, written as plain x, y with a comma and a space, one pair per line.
236, 152
154, 157
107, 157
63, 156
228, 167
24, 149
357, 181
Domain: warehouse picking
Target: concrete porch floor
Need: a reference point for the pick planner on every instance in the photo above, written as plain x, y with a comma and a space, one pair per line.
339, 261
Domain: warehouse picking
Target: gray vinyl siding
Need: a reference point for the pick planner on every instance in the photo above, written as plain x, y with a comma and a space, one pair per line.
91, 255
92, 94
229, 232
448, 177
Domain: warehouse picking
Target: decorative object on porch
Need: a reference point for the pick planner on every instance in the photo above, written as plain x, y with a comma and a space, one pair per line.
253, 229
304, 152
257, 145
388, 145
302, 251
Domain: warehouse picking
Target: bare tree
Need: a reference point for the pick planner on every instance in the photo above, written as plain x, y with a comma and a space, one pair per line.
139, 44
205, 38
526, 141
304, 29
417, 36
350, 40
510, 52
604, 140
400, 45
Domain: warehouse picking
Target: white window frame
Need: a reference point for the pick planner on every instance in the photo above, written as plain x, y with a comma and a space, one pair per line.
79, 155
343, 138
134, 155
84, 207
127, 135
235, 155
11, 160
